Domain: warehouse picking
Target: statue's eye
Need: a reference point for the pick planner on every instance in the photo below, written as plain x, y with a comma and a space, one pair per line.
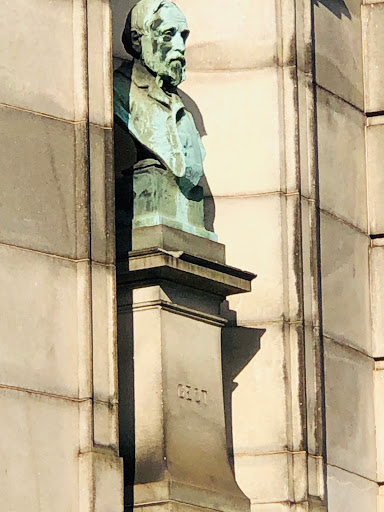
168, 34
185, 34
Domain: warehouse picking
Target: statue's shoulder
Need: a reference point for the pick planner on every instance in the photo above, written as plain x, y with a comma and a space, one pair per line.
124, 70
123, 74
122, 81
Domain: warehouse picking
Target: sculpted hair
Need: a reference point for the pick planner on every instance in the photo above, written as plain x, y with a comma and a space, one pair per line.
139, 20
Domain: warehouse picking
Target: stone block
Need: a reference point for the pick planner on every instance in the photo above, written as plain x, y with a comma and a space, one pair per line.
102, 182
45, 68
242, 158
106, 425
380, 499
271, 507
180, 435
44, 195
250, 241
39, 444
375, 159
249, 244
347, 491
219, 45
104, 333
305, 147
341, 153
264, 478
46, 323
377, 298
254, 362
101, 481
345, 281
339, 60
379, 414
99, 24
349, 400
108, 482
171, 239
373, 46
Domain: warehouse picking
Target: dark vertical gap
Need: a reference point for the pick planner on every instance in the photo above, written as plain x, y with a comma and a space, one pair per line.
125, 336
89, 203
318, 251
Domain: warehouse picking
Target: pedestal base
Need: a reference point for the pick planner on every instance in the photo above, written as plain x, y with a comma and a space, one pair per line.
172, 300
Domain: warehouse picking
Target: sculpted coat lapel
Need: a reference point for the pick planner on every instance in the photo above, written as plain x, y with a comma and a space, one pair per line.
158, 121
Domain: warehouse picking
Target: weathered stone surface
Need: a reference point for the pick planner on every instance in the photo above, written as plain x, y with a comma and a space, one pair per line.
99, 28
170, 239
345, 277
41, 470
250, 246
379, 417
375, 158
341, 152
377, 297
373, 45
241, 158
101, 481
338, 46
347, 491
264, 478
272, 507
349, 400
157, 265
106, 424
102, 182
46, 322
104, 333
44, 69
180, 442
380, 499
254, 361
44, 195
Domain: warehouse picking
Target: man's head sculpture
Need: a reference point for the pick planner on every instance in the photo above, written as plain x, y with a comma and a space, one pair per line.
167, 160
156, 32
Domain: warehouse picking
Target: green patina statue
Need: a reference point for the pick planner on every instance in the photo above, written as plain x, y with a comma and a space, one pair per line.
168, 161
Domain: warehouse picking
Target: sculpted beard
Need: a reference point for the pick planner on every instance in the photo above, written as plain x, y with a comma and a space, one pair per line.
169, 65
175, 69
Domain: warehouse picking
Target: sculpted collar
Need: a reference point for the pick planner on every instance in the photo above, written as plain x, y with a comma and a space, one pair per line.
145, 80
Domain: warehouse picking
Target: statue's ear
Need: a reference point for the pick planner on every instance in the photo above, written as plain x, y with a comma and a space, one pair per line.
136, 41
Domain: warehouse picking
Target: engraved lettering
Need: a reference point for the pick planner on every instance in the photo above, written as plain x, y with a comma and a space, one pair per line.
192, 394
180, 391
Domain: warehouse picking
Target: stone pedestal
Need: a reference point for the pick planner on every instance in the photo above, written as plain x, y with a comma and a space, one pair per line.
172, 301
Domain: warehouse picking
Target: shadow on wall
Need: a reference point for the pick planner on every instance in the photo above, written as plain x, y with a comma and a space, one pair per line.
337, 7
239, 347
209, 203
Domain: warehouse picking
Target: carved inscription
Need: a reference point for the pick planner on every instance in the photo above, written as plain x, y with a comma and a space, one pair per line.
192, 394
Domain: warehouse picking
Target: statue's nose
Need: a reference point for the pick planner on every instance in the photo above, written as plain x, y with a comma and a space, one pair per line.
179, 43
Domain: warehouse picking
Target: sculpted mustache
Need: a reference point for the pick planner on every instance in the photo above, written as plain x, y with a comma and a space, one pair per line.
178, 58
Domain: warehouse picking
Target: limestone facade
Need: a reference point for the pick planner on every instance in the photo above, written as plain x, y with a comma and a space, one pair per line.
290, 105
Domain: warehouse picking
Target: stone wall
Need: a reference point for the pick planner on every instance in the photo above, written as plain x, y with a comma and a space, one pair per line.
373, 47
287, 94
347, 69
249, 84
57, 384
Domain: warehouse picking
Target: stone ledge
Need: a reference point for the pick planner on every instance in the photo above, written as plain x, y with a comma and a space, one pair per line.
153, 265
